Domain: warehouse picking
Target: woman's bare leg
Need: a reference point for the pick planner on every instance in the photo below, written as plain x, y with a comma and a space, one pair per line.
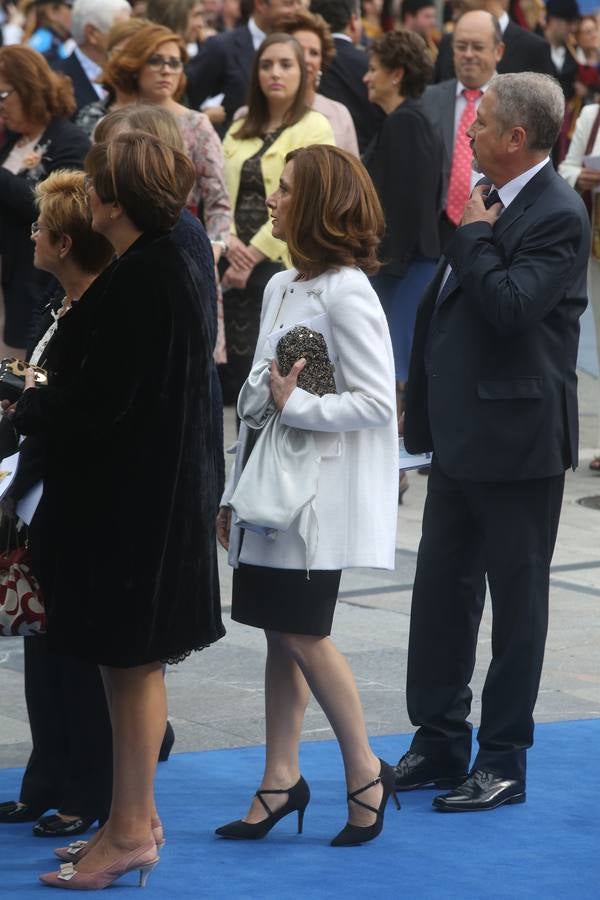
138, 712
286, 699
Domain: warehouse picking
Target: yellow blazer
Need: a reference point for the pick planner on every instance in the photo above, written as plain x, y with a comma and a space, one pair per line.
313, 128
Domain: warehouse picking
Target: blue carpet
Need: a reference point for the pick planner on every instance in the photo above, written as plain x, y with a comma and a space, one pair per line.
548, 848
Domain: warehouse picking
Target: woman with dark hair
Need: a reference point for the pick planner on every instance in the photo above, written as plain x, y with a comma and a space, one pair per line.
110, 474
35, 104
340, 511
314, 36
405, 163
67, 748
278, 120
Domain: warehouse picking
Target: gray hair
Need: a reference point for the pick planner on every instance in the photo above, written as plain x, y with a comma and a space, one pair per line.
100, 13
533, 101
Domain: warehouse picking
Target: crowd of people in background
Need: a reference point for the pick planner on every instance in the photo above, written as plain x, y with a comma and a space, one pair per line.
150, 153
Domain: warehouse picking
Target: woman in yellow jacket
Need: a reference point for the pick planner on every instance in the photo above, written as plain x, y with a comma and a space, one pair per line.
255, 147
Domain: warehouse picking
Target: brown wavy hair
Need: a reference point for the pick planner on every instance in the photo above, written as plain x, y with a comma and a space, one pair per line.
335, 217
257, 117
303, 20
122, 71
44, 94
406, 50
147, 177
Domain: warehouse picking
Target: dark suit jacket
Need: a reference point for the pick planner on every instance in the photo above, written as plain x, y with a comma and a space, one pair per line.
83, 87
343, 81
222, 66
492, 385
439, 102
567, 75
523, 52
405, 163
24, 287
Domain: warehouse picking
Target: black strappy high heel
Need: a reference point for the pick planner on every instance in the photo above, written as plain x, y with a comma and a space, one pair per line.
359, 834
298, 797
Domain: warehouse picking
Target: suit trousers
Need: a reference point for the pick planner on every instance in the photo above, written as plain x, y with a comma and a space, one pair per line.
507, 531
70, 766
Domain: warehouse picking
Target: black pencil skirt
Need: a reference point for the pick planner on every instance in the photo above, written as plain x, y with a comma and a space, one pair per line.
285, 599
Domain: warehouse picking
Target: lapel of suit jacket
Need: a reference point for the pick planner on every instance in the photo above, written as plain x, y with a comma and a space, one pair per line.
519, 205
448, 111
524, 199
243, 49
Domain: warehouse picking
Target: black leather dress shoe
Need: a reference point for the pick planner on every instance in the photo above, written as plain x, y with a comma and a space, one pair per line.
12, 812
481, 791
54, 826
416, 771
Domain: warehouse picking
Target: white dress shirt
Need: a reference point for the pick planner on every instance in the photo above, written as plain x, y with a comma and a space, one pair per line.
92, 70
256, 34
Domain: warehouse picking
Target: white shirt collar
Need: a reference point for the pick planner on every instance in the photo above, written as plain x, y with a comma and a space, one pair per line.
510, 190
256, 34
460, 87
503, 21
91, 69
342, 36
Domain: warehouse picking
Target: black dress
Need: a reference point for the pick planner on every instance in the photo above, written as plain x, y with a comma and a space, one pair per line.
129, 566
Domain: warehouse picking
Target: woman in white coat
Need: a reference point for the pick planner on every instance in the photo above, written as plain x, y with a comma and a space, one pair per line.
327, 211
586, 141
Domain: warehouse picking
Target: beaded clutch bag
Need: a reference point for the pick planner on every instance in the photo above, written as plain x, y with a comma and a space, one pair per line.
301, 342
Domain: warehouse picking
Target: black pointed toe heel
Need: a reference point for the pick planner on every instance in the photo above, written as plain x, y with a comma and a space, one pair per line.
351, 835
298, 797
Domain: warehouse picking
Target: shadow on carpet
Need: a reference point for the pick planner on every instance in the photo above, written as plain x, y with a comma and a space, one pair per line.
545, 849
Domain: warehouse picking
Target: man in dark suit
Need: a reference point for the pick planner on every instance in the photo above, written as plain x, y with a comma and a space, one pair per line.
523, 51
492, 390
224, 62
343, 80
91, 22
477, 49
561, 16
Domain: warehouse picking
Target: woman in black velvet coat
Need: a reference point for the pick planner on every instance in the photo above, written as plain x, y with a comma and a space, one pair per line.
35, 104
130, 569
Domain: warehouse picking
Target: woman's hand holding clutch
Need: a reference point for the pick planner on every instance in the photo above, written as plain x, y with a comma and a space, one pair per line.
283, 385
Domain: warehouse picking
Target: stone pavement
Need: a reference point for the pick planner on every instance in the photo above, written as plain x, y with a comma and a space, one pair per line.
216, 698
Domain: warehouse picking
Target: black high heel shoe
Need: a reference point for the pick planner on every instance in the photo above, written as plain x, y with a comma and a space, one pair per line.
298, 797
359, 834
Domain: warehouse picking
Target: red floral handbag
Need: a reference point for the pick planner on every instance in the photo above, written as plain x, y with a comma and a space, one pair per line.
21, 605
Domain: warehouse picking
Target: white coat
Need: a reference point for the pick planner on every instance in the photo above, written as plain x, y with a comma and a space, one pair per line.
356, 429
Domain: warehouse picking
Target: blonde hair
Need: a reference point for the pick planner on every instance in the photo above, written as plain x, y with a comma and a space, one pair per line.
62, 200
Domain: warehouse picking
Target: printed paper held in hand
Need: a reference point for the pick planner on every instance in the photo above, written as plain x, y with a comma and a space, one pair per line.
412, 460
8, 470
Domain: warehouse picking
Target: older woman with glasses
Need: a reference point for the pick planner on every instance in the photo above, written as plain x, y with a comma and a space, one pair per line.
151, 67
66, 748
35, 104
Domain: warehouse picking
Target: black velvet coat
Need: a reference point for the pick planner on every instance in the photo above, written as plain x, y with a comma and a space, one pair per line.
126, 522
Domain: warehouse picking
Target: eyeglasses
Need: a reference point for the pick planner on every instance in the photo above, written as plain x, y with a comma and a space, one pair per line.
158, 62
36, 228
4, 95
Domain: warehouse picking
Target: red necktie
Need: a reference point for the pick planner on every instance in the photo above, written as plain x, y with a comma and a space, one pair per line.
459, 186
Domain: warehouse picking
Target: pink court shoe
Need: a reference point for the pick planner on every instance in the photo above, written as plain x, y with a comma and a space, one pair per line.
142, 859
76, 850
